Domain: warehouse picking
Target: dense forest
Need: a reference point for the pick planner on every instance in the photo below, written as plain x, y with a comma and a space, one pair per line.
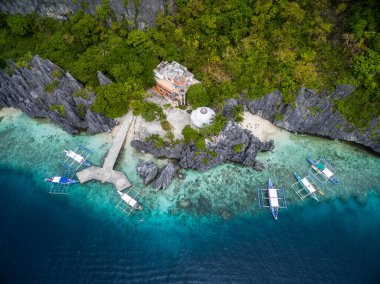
235, 47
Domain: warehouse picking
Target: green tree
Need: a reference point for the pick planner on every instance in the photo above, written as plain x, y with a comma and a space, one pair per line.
113, 100
18, 24
196, 96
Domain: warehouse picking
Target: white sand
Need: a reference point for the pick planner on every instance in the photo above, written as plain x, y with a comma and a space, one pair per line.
262, 128
9, 111
178, 119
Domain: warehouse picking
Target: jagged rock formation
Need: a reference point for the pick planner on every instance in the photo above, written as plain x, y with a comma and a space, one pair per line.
147, 170
43, 89
143, 15
103, 79
232, 144
165, 177
314, 113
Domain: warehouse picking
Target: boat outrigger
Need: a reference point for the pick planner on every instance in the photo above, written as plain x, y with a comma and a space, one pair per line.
61, 180
129, 201
322, 170
80, 157
75, 159
272, 198
305, 187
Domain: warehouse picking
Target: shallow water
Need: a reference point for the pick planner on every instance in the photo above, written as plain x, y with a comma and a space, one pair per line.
206, 228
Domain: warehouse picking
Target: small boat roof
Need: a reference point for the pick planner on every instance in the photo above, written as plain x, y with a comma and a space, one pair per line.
56, 179
308, 185
129, 200
327, 173
273, 198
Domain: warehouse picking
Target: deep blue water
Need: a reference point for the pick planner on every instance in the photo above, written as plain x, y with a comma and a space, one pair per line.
45, 239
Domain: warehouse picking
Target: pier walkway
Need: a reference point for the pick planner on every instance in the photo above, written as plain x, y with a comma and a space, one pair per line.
107, 173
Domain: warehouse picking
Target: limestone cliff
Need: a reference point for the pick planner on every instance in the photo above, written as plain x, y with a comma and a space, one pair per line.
315, 113
143, 14
42, 89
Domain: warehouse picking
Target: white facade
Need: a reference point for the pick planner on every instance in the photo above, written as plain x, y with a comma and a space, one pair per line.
202, 116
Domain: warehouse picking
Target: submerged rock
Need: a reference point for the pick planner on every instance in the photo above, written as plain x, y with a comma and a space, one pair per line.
43, 89
165, 177
147, 170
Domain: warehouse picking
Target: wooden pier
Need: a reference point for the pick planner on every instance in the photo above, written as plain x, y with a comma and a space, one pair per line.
107, 173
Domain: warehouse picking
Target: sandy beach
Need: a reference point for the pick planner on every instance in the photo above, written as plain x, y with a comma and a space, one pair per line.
262, 128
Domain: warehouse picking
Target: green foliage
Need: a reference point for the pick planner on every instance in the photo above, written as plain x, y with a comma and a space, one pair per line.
235, 48
18, 24
190, 134
113, 100
237, 113
166, 125
237, 148
205, 161
279, 116
49, 88
158, 141
23, 61
314, 110
82, 109
57, 74
196, 96
82, 93
201, 144
148, 111
59, 108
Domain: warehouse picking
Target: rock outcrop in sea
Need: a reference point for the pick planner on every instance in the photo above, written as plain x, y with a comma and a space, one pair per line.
232, 144
43, 89
165, 177
147, 170
315, 113
143, 14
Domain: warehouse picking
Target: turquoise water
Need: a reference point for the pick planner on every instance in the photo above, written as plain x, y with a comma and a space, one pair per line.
206, 228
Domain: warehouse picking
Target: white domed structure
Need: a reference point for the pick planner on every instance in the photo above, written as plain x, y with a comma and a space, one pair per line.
202, 116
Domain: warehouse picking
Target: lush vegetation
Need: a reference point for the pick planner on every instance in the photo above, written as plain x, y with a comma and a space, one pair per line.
235, 47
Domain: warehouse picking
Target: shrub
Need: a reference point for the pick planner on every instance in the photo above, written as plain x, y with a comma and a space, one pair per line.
166, 125
205, 161
49, 88
201, 144
82, 94
196, 96
59, 108
57, 74
279, 116
237, 148
158, 141
190, 134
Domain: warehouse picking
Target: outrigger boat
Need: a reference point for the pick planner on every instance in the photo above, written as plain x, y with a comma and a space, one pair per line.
321, 168
130, 201
308, 187
76, 157
61, 180
271, 199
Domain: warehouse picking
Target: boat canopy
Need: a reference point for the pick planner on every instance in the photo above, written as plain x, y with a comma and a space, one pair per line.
129, 200
273, 198
308, 185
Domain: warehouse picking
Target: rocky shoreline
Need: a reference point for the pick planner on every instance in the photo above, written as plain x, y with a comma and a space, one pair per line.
44, 90
233, 144
314, 113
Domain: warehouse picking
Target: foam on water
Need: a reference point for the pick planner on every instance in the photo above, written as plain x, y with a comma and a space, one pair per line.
205, 228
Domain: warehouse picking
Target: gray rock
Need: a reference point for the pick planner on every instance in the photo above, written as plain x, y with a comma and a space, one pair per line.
143, 16
232, 144
103, 80
24, 88
147, 170
165, 177
314, 113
